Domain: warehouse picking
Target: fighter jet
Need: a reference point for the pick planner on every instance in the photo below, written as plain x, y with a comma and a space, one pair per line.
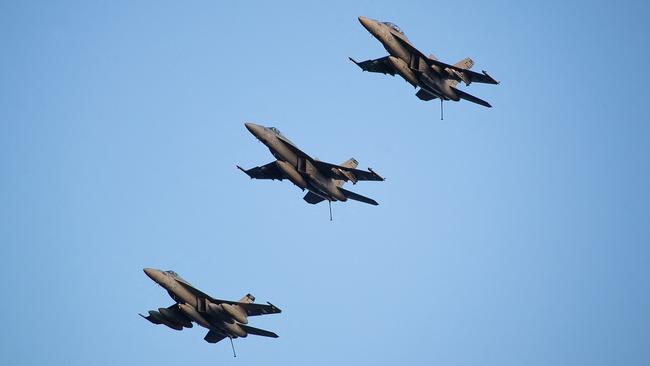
322, 180
223, 318
436, 79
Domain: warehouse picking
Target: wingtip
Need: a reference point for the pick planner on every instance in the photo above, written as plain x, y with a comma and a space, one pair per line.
488, 75
375, 173
245, 172
356, 63
274, 307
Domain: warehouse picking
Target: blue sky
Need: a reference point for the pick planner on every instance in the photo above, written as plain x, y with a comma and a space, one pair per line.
507, 236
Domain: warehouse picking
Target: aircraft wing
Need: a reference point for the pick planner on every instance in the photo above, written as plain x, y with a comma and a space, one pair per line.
380, 65
467, 76
252, 309
154, 320
171, 317
268, 171
347, 174
455, 72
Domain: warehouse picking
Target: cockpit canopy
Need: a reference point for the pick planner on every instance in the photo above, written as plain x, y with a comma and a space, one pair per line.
394, 26
275, 130
175, 275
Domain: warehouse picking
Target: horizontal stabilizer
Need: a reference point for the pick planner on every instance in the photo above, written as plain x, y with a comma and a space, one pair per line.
213, 337
358, 197
471, 98
313, 198
258, 331
425, 95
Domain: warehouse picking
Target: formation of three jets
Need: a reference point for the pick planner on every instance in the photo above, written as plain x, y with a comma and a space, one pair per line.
323, 181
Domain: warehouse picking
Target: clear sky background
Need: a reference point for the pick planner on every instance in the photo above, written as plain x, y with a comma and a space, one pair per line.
516, 235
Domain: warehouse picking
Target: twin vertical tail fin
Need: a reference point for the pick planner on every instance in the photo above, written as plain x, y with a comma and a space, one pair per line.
351, 163
247, 299
313, 198
465, 63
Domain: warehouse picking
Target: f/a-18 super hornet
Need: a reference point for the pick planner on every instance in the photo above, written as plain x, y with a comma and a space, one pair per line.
322, 180
436, 79
223, 318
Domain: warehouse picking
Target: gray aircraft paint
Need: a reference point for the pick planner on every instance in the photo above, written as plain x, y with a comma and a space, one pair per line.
321, 179
436, 79
224, 319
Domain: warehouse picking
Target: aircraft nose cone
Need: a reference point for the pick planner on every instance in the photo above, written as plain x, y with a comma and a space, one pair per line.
366, 22
151, 273
256, 130
249, 126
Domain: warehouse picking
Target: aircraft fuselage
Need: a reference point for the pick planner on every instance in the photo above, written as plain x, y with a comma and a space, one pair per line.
426, 76
299, 170
189, 302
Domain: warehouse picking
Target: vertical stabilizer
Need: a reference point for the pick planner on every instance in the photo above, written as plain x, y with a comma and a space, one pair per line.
465, 63
351, 163
248, 299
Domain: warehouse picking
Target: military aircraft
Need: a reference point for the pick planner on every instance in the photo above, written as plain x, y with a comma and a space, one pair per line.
322, 180
436, 79
223, 318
